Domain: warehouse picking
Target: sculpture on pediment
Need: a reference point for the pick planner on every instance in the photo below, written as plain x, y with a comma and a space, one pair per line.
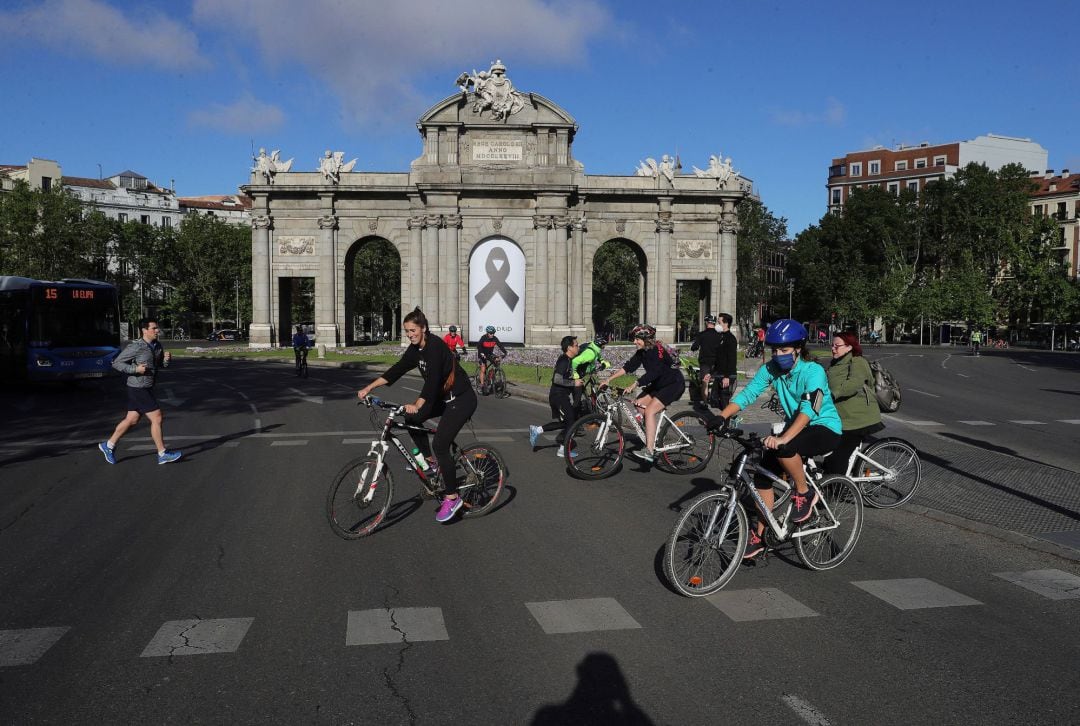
268, 166
332, 166
492, 91
719, 170
666, 168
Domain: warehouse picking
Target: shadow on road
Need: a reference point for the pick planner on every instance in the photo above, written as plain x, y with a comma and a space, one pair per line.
600, 698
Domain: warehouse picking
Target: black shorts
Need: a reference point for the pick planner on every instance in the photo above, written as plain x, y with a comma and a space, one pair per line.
141, 400
811, 441
668, 393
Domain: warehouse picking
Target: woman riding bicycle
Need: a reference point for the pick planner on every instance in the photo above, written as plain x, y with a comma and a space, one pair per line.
485, 354
812, 426
446, 393
852, 385
661, 385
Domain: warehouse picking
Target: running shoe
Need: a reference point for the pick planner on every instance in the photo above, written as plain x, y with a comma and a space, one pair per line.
534, 435
754, 545
109, 455
804, 505
561, 453
644, 455
167, 457
448, 509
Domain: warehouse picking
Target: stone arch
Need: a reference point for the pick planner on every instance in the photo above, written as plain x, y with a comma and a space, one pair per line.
372, 290
497, 289
618, 257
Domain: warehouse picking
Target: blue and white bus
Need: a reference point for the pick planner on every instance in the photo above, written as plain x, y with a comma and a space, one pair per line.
62, 330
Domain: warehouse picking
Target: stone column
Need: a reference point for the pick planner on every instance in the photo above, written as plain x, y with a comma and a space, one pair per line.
577, 267
665, 310
729, 228
539, 316
261, 332
450, 280
430, 252
416, 266
326, 332
560, 293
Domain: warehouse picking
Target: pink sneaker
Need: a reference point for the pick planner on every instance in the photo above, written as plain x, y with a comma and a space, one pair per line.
448, 509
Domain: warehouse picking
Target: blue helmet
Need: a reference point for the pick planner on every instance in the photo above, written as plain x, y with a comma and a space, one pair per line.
490, 330
785, 331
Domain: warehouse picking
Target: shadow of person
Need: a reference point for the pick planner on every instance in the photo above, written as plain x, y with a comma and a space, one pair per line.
600, 698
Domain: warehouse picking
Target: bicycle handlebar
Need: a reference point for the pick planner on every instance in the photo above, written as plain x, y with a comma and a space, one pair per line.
375, 402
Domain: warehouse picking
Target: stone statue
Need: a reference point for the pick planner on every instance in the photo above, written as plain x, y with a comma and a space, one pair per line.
268, 166
492, 91
719, 170
332, 166
666, 168
647, 168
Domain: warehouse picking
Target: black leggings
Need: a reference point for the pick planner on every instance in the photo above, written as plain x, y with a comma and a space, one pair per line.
563, 413
452, 418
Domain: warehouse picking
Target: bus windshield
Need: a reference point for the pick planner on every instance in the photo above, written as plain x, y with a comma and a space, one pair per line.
65, 316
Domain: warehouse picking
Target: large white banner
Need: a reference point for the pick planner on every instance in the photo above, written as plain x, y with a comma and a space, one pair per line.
497, 290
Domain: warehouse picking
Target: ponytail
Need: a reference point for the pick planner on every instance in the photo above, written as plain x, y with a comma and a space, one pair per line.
417, 317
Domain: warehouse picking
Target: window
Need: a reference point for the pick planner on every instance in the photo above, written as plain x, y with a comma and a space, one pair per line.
900, 166
122, 217
1039, 210
855, 168
920, 163
913, 184
874, 168
836, 195
939, 161
894, 188
145, 218
166, 221
1061, 213
46, 183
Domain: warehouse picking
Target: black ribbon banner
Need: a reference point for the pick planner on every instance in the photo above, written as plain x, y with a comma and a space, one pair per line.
497, 277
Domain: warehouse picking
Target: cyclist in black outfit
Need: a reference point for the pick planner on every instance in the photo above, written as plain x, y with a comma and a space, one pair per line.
561, 397
446, 393
485, 354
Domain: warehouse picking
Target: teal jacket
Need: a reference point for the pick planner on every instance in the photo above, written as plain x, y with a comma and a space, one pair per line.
791, 387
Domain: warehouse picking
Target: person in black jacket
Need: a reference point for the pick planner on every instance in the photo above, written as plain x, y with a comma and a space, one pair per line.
446, 393
561, 397
661, 385
718, 360
709, 343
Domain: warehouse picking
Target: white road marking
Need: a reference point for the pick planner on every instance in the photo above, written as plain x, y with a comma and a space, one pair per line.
197, 637
963, 375
804, 710
924, 423
1051, 584
290, 442
1025, 422
356, 441
581, 616
1033, 370
23, 647
765, 603
1074, 421
170, 397
976, 423
395, 625
914, 593
916, 390
304, 397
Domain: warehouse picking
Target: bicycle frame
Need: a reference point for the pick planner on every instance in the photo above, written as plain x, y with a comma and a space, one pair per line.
624, 409
879, 473
380, 447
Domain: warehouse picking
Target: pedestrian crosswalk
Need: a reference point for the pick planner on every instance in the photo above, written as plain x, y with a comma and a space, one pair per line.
414, 624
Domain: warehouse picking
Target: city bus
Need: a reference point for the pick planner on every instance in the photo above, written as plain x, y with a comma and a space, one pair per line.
57, 331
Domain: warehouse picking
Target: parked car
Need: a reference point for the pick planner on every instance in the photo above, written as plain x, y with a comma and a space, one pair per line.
224, 334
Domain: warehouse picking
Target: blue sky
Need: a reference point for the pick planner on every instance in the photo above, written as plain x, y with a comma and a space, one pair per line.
182, 90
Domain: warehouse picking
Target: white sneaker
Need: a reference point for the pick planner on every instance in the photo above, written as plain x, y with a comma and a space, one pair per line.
534, 434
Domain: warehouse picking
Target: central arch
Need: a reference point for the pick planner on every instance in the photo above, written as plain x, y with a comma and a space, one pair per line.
372, 291
619, 287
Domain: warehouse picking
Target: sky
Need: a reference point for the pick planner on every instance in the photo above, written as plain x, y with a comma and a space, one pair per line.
185, 91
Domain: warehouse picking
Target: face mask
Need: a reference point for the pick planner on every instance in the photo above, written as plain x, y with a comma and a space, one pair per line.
785, 362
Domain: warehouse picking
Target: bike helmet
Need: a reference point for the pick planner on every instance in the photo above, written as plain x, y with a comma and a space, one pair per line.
711, 319
453, 328
490, 330
600, 340
785, 332
643, 331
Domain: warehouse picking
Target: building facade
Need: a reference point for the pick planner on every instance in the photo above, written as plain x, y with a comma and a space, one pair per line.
233, 208
913, 167
495, 223
1058, 196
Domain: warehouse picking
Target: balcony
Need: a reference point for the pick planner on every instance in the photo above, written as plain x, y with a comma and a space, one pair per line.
838, 170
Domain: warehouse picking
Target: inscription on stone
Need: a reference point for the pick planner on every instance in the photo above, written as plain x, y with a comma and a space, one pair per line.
498, 150
695, 249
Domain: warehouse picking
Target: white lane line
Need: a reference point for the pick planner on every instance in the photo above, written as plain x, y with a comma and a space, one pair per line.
243, 395
804, 710
976, 423
356, 441
1025, 422
290, 442
1033, 370
963, 375
1074, 421
916, 390
304, 397
924, 423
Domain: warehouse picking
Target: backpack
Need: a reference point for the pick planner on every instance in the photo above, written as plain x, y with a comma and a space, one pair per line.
886, 389
673, 355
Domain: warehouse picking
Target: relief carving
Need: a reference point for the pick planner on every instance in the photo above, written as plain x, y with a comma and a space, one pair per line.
620, 226
694, 249
296, 245
261, 221
328, 222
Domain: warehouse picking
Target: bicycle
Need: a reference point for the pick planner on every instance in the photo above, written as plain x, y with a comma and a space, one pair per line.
755, 349
361, 493
700, 394
301, 361
707, 543
180, 334
683, 442
595, 397
496, 379
886, 471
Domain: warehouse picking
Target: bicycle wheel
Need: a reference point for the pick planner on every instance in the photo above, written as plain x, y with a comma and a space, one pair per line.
358, 500
482, 475
696, 565
895, 470
595, 448
827, 549
498, 385
688, 431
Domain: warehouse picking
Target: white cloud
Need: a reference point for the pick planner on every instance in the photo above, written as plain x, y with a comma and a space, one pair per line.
95, 28
835, 114
246, 114
369, 53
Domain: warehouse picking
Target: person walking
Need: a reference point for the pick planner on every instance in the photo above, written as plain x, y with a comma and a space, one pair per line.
726, 366
140, 361
707, 345
560, 397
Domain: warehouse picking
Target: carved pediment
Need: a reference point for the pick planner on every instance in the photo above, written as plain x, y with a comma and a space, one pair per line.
458, 110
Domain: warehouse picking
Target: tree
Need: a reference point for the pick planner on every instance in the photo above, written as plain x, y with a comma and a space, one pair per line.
41, 234
616, 285
761, 238
377, 281
210, 254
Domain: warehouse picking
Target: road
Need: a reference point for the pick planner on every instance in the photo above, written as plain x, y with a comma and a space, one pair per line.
212, 590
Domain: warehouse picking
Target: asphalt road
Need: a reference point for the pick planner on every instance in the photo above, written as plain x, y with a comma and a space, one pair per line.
212, 590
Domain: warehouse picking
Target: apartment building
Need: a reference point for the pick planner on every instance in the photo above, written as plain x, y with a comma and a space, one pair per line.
233, 208
913, 167
1058, 196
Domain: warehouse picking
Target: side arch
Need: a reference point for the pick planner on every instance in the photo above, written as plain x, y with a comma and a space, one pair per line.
620, 286
372, 298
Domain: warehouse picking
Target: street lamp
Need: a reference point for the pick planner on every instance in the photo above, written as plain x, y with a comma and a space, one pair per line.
790, 290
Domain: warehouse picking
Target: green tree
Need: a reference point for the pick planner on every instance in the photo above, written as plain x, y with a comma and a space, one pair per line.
761, 236
616, 280
41, 234
210, 255
377, 282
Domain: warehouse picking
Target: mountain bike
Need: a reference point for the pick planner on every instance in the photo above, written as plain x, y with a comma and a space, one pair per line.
361, 493
886, 471
180, 334
301, 361
496, 379
683, 442
707, 544
595, 397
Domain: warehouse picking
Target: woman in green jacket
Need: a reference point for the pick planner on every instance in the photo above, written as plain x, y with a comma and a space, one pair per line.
852, 387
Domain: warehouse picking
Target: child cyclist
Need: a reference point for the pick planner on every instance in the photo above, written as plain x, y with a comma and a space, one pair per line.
811, 427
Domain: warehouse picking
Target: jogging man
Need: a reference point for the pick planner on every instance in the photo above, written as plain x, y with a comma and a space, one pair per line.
563, 410
140, 361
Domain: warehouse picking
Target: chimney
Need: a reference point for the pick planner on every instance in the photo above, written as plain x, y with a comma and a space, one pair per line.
1064, 173
1034, 173
1049, 173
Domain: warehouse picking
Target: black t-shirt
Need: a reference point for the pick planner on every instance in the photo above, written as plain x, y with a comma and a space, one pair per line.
436, 362
658, 370
708, 341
